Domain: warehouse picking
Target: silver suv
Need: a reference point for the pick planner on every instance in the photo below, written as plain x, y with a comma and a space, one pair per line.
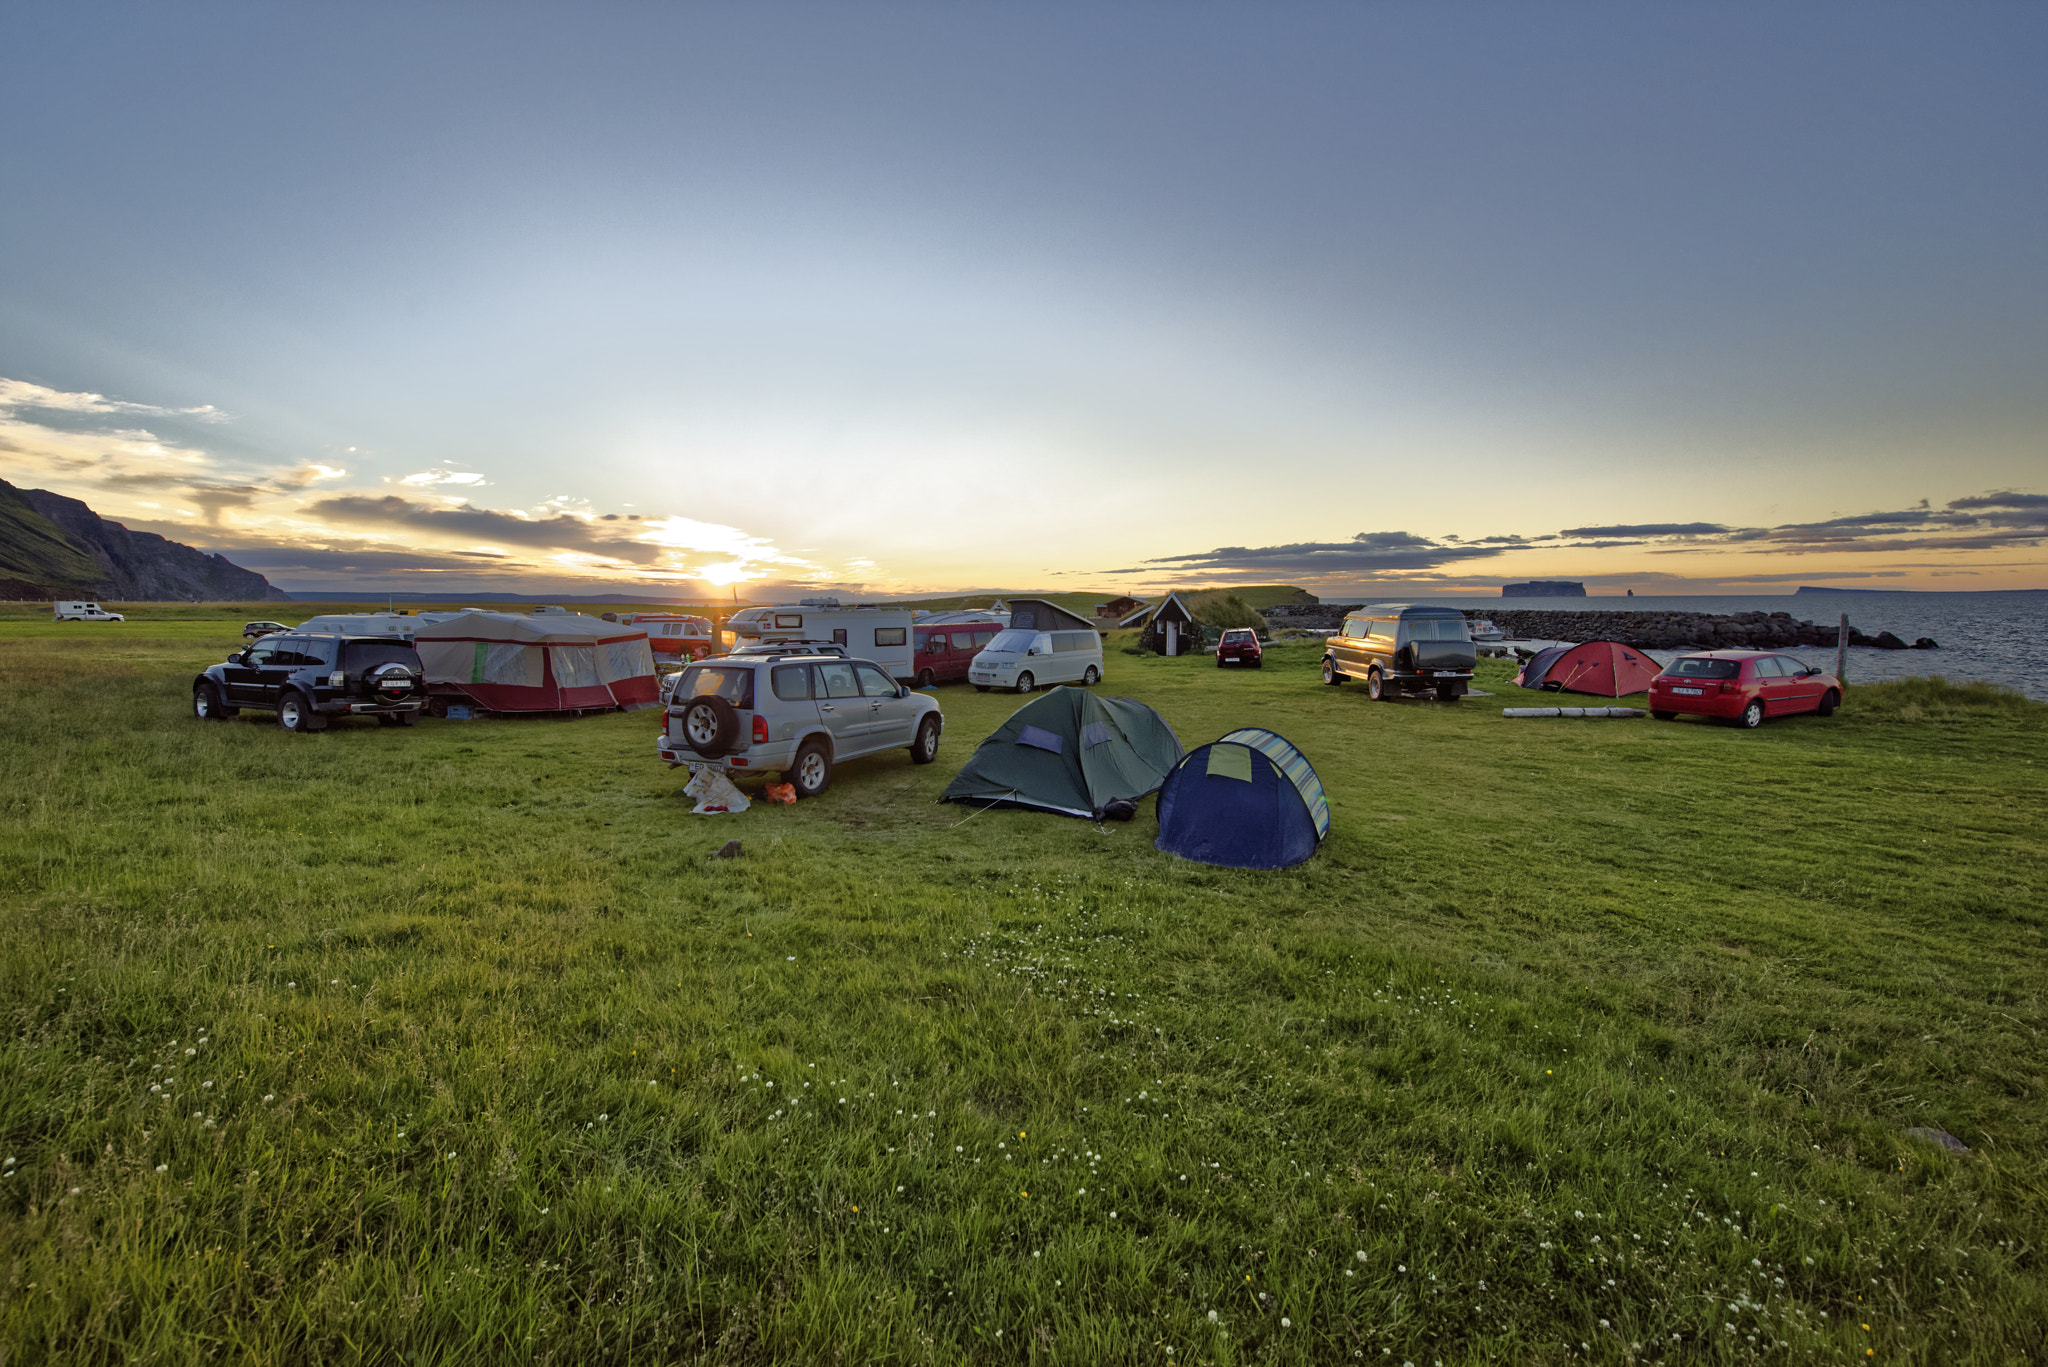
799, 715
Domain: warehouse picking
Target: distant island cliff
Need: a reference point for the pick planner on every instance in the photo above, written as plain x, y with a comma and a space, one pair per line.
1544, 588
56, 547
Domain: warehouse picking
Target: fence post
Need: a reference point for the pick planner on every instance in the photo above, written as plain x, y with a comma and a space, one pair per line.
1842, 651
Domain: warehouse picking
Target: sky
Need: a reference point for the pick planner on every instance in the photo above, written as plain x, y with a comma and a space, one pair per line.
890, 299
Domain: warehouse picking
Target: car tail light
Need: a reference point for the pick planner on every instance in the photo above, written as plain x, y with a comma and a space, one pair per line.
1724, 688
760, 729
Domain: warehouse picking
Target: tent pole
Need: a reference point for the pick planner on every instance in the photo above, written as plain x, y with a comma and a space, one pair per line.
1842, 652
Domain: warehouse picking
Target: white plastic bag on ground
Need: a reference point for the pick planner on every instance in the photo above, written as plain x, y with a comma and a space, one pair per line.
714, 793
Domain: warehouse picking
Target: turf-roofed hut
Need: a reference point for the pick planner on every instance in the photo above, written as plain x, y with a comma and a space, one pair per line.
1249, 800
1072, 753
1170, 628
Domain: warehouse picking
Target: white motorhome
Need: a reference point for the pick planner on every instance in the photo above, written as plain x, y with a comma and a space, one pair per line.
878, 634
85, 612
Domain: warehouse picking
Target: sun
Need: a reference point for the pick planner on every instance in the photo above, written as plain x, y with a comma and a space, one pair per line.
733, 572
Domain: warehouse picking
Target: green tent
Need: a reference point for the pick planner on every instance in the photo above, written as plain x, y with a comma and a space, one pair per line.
1070, 752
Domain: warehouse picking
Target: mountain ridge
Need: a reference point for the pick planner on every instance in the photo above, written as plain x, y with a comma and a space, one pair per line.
57, 547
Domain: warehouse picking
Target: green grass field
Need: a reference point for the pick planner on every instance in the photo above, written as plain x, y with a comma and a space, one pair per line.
1577, 1041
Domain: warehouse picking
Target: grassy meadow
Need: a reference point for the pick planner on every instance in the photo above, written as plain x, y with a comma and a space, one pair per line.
1577, 1041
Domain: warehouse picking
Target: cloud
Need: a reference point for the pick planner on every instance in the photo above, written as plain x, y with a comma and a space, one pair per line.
1366, 551
441, 475
1643, 529
2002, 500
562, 532
22, 394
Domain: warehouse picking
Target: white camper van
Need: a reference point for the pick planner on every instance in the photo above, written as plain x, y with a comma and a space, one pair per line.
85, 612
1023, 659
878, 634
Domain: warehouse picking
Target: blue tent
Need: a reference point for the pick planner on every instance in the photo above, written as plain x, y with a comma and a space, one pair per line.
1247, 801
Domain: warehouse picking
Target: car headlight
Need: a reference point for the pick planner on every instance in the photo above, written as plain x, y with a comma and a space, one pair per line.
337, 679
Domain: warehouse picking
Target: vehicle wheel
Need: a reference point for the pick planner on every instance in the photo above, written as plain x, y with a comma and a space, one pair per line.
1258, 662
1829, 701
811, 774
925, 748
925, 678
1752, 716
295, 713
981, 688
1376, 686
711, 726
1219, 662
387, 719
1024, 682
1664, 716
1330, 674
1092, 677
206, 704
1448, 693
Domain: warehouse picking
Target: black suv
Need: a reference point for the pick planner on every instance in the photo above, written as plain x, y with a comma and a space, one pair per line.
307, 680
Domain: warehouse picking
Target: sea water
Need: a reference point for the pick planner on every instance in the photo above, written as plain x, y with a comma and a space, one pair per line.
1999, 637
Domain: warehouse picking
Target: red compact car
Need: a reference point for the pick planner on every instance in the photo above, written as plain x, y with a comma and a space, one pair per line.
1742, 687
1242, 645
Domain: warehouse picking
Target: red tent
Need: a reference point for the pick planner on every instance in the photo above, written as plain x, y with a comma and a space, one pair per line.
1606, 668
558, 662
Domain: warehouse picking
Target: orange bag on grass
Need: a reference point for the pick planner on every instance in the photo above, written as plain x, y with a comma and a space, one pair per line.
784, 793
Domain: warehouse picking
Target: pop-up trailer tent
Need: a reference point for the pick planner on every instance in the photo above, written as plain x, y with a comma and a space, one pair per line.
1247, 801
1070, 752
560, 662
1607, 669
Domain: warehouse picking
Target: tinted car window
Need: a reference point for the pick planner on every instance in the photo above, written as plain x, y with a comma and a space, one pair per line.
1770, 667
1012, 642
1700, 669
1384, 630
358, 656
967, 640
982, 639
792, 683
264, 652
836, 681
318, 650
874, 683
736, 686
1437, 629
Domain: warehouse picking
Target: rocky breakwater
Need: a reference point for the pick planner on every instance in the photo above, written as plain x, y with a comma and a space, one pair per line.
1686, 630
1648, 630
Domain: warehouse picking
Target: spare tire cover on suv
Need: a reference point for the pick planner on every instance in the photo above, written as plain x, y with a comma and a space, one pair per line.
711, 725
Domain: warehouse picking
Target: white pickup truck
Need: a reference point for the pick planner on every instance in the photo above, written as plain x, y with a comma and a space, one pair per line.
85, 612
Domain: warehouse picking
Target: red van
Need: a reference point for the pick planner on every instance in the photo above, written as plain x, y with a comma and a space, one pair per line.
941, 652
674, 636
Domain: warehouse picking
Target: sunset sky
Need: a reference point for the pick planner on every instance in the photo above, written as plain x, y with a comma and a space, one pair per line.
890, 298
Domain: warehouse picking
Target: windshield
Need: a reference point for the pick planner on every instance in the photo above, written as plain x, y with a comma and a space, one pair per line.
360, 656
1694, 668
1012, 642
736, 686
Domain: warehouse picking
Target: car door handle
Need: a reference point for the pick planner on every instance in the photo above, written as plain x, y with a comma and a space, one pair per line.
825, 707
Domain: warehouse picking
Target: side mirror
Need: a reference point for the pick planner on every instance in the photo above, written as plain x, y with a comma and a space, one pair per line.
903, 690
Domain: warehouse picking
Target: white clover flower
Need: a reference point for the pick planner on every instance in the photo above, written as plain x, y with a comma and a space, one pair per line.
1286, 1323
1361, 1255
190, 1052
1400, 1267
272, 1096
1212, 1317
163, 1167
206, 1086
604, 1115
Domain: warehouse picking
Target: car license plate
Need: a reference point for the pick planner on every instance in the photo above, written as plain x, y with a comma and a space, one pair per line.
1689, 692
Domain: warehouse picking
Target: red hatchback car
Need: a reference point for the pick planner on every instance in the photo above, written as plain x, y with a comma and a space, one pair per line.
1742, 687
1242, 645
